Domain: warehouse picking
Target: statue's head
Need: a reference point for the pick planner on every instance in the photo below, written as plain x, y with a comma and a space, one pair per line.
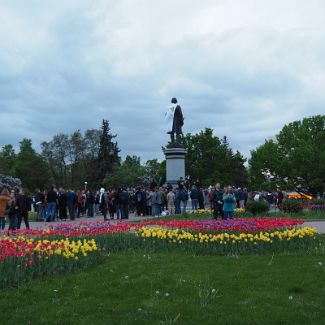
174, 100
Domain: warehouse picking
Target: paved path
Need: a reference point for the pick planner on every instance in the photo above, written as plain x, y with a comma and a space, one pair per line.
320, 225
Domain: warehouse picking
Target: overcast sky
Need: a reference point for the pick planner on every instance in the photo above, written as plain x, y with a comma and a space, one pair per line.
243, 68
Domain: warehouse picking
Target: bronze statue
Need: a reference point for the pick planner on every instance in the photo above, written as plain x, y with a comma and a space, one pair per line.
175, 121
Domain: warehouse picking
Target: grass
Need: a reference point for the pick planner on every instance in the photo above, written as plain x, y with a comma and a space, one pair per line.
176, 288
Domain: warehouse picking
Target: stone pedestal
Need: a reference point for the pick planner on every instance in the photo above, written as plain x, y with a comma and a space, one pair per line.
175, 164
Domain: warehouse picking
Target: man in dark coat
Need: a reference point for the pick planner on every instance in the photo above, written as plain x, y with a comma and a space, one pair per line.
217, 201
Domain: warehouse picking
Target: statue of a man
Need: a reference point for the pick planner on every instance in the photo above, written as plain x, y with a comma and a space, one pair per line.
175, 120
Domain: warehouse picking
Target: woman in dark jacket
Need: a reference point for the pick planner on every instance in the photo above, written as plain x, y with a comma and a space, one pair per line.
12, 211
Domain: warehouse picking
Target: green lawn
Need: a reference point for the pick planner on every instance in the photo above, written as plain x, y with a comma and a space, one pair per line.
176, 288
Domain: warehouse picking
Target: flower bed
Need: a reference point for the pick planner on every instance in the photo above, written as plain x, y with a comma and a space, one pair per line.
21, 259
69, 246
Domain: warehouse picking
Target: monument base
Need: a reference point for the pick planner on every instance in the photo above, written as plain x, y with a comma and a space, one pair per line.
175, 164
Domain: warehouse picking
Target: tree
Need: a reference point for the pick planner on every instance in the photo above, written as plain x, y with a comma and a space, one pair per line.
56, 153
7, 159
155, 169
295, 160
127, 174
210, 160
30, 167
108, 157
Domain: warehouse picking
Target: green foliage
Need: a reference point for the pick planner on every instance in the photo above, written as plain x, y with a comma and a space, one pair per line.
30, 167
295, 160
127, 174
155, 169
211, 160
107, 156
7, 159
292, 206
257, 207
76, 158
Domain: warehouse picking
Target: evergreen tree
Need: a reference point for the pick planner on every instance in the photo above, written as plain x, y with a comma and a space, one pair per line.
108, 156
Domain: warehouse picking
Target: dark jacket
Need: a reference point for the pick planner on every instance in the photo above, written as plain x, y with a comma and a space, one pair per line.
195, 194
24, 204
62, 200
217, 196
51, 196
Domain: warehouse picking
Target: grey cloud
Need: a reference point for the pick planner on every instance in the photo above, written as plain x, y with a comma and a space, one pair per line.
67, 65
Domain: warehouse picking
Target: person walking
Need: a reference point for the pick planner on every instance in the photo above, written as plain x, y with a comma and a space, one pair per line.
229, 202
4, 199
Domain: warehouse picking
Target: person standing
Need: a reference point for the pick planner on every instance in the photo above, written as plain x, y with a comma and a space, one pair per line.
171, 202
40, 205
229, 202
279, 198
4, 199
71, 203
138, 199
149, 202
195, 195
51, 199
216, 197
178, 201
183, 199
156, 203
103, 203
24, 204
241, 198
90, 200
62, 204
13, 211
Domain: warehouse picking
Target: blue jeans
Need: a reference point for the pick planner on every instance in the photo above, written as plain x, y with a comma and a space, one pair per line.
2, 223
13, 222
156, 209
184, 205
119, 211
227, 214
51, 211
177, 206
195, 204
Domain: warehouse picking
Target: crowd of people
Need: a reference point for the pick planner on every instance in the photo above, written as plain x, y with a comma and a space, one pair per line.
61, 204
16, 205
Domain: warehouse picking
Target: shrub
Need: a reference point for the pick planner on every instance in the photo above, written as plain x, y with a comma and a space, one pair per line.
257, 207
292, 206
316, 205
